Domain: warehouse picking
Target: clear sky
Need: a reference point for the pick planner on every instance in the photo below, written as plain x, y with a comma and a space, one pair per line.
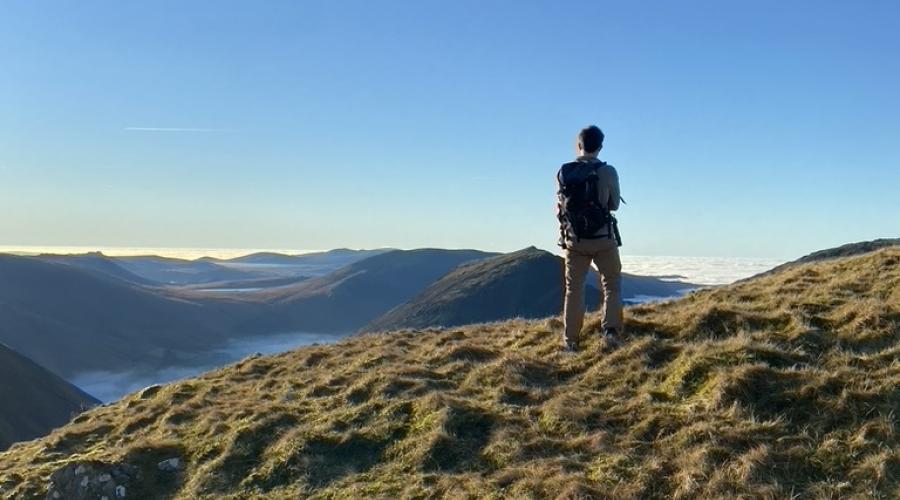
759, 129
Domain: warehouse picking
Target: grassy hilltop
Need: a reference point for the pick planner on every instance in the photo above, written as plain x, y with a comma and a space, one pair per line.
783, 386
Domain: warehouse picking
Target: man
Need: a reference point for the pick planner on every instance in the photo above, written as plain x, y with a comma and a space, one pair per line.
588, 193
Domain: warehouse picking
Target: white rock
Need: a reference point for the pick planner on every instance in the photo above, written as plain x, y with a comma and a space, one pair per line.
120, 491
79, 470
104, 478
85, 481
56, 494
170, 465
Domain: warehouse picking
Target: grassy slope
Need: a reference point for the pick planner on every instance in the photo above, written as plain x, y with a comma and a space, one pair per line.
34, 401
783, 386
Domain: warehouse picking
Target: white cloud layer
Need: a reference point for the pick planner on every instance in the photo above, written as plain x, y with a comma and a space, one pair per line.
698, 270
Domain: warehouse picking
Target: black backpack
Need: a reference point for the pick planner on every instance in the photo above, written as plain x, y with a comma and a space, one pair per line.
581, 215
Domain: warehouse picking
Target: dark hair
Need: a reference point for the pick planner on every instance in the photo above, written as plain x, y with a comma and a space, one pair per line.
591, 139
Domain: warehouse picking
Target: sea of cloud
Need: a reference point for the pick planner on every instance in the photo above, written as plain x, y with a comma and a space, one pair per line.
111, 386
698, 270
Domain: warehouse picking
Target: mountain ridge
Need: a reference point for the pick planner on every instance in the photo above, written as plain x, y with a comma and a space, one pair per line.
352, 296
845, 250
524, 284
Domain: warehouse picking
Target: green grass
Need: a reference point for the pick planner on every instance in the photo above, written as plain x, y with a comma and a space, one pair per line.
787, 386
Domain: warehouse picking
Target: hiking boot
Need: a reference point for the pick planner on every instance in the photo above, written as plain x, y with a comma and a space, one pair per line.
611, 338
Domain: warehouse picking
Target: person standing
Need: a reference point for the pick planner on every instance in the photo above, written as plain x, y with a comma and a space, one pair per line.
588, 194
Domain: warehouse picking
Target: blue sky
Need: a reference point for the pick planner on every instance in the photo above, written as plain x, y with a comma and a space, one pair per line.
759, 129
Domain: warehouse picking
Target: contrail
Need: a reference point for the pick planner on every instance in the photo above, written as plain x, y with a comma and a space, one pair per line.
174, 129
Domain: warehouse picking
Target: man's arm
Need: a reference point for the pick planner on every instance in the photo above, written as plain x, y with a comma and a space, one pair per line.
559, 194
615, 195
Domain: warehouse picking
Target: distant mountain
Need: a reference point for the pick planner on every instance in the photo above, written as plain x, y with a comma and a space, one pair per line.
848, 250
34, 401
169, 271
256, 258
71, 319
96, 261
526, 284
260, 267
270, 264
333, 258
354, 295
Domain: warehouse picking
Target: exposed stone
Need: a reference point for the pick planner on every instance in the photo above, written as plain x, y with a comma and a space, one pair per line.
170, 465
150, 391
91, 480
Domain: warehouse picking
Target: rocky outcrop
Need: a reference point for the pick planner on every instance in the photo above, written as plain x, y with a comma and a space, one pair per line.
95, 480
92, 480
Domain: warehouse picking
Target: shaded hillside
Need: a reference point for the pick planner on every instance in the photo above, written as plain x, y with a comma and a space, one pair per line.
349, 298
97, 262
781, 387
848, 250
241, 285
69, 319
526, 284
34, 401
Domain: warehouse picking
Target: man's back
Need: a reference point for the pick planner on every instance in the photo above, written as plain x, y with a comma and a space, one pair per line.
608, 193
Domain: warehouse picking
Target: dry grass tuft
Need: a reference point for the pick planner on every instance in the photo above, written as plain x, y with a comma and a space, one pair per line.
780, 387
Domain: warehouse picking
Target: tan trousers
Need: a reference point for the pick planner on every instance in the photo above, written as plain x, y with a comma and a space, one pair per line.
604, 253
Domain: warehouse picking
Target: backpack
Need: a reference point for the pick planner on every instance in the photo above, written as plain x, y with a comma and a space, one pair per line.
581, 215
